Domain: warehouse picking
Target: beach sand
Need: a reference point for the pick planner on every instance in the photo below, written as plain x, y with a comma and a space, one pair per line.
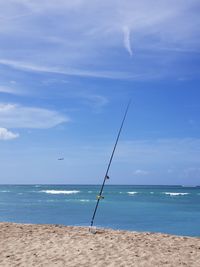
55, 245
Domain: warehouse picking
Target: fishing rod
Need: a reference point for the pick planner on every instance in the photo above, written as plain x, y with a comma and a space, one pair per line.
99, 196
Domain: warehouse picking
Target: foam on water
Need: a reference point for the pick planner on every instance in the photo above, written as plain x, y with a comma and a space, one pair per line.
167, 209
175, 193
132, 193
56, 192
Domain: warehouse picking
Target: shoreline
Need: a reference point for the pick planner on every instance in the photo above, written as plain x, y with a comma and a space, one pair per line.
59, 245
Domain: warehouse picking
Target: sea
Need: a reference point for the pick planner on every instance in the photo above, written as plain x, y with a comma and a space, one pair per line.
165, 209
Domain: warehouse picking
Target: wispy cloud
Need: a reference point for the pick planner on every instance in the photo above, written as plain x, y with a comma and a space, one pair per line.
17, 116
6, 89
96, 101
11, 89
84, 37
161, 151
31, 67
7, 135
127, 40
140, 172
146, 155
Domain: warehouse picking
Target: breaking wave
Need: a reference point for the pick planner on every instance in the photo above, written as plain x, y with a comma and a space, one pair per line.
132, 193
56, 192
175, 193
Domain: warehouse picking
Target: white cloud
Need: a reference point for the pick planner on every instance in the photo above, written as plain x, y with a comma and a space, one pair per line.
27, 66
5, 89
84, 37
96, 101
38, 6
17, 116
140, 172
7, 135
127, 40
11, 89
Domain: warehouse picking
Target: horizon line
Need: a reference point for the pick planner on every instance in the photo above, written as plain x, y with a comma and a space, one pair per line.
22, 184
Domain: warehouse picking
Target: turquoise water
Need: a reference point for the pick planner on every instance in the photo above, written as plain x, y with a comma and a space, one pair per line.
167, 209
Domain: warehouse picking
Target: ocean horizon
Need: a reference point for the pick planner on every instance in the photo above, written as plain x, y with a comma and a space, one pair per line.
171, 209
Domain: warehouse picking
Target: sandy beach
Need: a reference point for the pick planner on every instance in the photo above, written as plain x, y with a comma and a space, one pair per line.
56, 245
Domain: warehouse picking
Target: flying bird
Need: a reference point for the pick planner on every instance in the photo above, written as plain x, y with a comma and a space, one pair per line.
61, 159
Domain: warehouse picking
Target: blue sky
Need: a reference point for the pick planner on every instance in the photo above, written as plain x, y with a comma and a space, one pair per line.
67, 72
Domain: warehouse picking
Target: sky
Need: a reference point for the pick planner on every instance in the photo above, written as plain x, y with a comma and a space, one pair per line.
67, 72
